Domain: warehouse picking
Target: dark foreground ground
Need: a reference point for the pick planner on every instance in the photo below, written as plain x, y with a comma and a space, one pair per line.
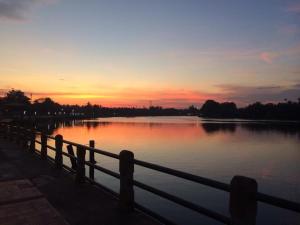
77, 204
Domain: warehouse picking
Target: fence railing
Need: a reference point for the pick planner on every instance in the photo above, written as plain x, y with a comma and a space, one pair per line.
242, 190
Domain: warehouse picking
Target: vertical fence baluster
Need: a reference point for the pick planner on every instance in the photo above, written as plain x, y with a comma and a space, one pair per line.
43, 146
73, 160
92, 160
243, 204
80, 169
58, 151
126, 168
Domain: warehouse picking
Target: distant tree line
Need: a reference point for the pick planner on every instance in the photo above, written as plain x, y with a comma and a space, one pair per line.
16, 104
287, 110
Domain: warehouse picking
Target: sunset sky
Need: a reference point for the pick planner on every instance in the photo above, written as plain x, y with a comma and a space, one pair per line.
171, 52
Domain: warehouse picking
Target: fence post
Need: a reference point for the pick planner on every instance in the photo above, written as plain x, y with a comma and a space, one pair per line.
126, 168
92, 160
73, 160
43, 146
243, 204
32, 141
58, 151
80, 169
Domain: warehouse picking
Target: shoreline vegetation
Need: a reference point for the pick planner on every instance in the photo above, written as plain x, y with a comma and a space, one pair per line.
15, 105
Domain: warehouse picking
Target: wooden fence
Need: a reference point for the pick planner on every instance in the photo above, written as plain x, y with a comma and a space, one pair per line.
242, 190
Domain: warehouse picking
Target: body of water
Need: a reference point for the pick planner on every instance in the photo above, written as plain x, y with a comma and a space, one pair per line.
216, 149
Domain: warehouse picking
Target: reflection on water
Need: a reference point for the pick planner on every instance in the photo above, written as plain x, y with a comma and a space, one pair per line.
219, 127
268, 152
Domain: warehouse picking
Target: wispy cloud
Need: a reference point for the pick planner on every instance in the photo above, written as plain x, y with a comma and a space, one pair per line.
239, 54
249, 94
294, 8
19, 10
268, 57
289, 29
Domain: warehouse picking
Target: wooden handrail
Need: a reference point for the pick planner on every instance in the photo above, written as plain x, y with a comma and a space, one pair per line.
187, 176
279, 202
182, 202
104, 170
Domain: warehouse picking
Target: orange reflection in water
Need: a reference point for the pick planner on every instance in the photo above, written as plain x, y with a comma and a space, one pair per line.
124, 133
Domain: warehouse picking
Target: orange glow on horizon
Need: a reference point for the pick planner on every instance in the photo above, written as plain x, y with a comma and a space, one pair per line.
132, 97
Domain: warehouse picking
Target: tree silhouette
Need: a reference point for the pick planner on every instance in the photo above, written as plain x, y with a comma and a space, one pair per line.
45, 106
15, 103
212, 108
16, 97
284, 110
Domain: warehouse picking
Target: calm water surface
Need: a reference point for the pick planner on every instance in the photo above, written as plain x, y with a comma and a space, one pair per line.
216, 149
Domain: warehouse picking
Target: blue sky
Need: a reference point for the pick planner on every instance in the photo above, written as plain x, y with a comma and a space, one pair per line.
169, 51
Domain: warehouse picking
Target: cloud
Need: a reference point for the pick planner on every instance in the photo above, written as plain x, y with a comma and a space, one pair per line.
19, 10
248, 94
289, 29
294, 8
265, 56
297, 86
270, 56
